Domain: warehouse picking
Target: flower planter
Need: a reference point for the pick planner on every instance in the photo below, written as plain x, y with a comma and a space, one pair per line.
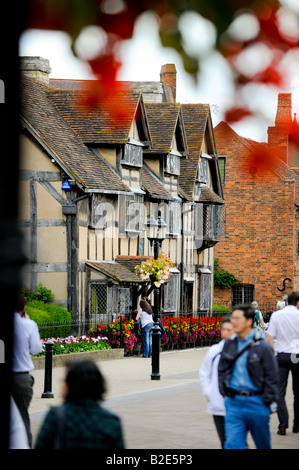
59, 360
156, 270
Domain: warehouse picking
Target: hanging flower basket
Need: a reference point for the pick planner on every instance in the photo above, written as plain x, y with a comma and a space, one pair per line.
157, 270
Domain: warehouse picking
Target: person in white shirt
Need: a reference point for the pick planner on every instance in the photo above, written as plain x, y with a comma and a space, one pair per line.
145, 313
284, 327
208, 375
26, 341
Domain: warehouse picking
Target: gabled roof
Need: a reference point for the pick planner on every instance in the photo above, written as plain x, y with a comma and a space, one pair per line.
279, 168
152, 91
195, 118
198, 124
59, 140
107, 121
164, 121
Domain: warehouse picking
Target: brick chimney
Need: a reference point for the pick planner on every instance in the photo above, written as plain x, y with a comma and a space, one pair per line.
168, 78
35, 67
284, 109
278, 135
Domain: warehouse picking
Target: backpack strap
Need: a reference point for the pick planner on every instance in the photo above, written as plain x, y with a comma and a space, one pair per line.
252, 343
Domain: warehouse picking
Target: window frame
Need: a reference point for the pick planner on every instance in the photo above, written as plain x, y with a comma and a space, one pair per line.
176, 157
243, 299
136, 198
128, 153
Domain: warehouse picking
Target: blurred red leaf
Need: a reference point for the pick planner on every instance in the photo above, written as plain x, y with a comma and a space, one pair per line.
110, 102
261, 160
235, 114
269, 28
270, 76
105, 68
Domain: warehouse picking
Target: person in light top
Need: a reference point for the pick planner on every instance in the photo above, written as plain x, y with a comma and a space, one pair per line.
208, 375
26, 341
145, 313
284, 329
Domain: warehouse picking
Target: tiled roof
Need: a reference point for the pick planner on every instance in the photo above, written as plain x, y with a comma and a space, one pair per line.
207, 195
162, 119
152, 185
100, 123
195, 118
280, 169
116, 271
131, 261
153, 92
64, 144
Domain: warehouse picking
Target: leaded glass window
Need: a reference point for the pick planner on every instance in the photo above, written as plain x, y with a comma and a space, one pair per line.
173, 164
132, 155
171, 294
204, 292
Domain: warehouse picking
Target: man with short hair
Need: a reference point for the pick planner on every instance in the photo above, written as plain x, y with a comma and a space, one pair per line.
248, 377
284, 326
26, 341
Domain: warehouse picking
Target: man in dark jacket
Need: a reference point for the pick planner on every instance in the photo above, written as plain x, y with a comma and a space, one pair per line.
248, 377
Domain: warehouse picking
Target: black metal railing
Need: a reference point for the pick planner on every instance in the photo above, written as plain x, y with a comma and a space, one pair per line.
89, 326
92, 327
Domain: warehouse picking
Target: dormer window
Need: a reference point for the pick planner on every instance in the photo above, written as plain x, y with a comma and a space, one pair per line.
173, 162
133, 154
202, 173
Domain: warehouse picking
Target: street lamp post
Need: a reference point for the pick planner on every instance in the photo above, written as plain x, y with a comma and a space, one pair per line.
156, 231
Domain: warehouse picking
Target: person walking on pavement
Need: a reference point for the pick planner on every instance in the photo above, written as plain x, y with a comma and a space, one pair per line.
284, 326
259, 324
26, 341
81, 422
248, 377
145, 313
208, 375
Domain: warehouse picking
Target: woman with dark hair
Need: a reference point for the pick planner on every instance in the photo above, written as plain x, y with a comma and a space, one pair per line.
145, 313
81, 422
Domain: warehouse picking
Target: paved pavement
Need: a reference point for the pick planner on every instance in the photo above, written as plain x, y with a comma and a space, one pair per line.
169, 413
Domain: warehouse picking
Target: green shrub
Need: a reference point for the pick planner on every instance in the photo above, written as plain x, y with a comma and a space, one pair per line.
41, 293
222, 278
46, 314
223, 309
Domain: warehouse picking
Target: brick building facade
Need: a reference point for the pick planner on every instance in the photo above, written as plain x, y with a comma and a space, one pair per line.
260, 191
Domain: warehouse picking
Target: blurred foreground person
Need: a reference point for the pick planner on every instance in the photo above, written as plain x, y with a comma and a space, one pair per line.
81, 422
17, 433
284, 326
208, 374
248, 377
26, 341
